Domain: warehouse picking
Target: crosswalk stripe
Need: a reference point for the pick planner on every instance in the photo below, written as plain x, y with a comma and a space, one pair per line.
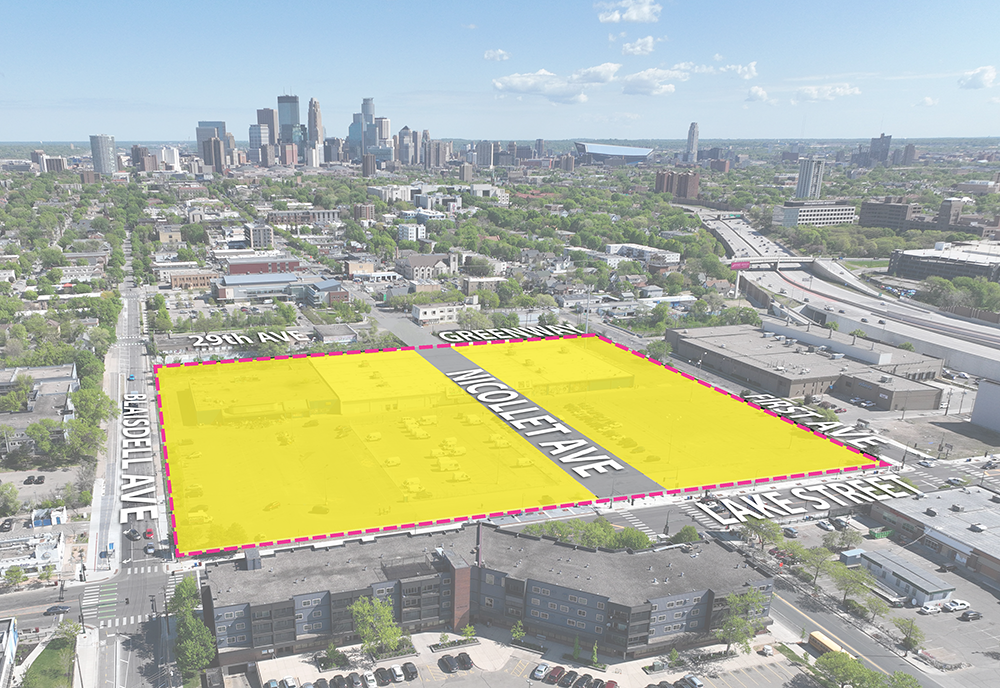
116, 622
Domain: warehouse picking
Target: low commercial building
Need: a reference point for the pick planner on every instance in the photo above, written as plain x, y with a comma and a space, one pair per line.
191, 280
628, 604
427, 266
644, 254
818, 213
918, 584
470, 285
260, 265
961, 528
948, 261
310, 216
437, 313
326, 292
794, 362
249, 287
49, 398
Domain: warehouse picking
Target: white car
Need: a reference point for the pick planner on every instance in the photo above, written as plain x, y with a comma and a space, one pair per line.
370, 681
956, 606
926, 464
397, 673
289, 682
929, 609
825, 525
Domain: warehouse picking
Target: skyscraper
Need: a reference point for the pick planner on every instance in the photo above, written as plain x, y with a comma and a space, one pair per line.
259, 135
368, 165
810, 178
288, 117
879, 149
215, 154
909, 154
405, 146
220, 131
692, 148
102, 148
369, 137
203, 134
539, 148
269, 117
315, 122
382, 130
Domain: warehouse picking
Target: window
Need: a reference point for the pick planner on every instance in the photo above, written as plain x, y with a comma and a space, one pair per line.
661, 617
581, 612
221, 629
599, 617
239, 614
564, 608
553, 605
695, 612
535, 589
262, 615
692, 624
570, 622
229, 615
380, 591
446, 593
535, 601
446, 604
316, 614
231, 639
489, 602
598, 629
678, 615
545, 615
600, 605
306, 603
546, 592
446, 581
696, 600
299, 617
240, 626
581, 600
490, 579
534, 613
655, 607
572, 598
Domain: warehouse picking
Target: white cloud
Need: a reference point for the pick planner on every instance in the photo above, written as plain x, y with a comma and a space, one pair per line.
471, 27
978, 78
614, 37
639, 11
643, 46
995, 100
926, 101
557, 88
717, 57
651, 82
747, 72
812, 94
496, 55
757, 94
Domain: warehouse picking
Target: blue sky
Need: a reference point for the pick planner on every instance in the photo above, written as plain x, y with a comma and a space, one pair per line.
500, 70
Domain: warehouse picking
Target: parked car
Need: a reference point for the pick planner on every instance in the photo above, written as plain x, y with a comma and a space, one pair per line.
825, 525
449, 664
355, 679
790, 532
597, 683
956, 606
30, 480
554, 675
370, 680
149, 549
567, 680
131, 377
840, 522
583, 681
382, 676
7, 525
271, 684
464, 661
410, 670
148, 534
338, 681
39, 479
133, 534
397, 673
692, 681
289, 682
540, 671
970, 615
929, 609
611, 684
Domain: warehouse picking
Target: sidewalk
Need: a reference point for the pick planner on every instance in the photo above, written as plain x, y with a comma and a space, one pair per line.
87, 659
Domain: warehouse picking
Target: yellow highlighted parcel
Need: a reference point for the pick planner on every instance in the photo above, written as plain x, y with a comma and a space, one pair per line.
274, 450
675, 431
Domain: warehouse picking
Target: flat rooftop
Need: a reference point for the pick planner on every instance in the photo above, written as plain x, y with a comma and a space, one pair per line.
625, 578
975, 506
913, 574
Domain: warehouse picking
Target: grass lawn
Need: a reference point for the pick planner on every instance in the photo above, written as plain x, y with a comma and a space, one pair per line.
54, 666
858, 264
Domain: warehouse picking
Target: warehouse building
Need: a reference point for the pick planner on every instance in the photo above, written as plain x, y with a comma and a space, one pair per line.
631, 604
795, 362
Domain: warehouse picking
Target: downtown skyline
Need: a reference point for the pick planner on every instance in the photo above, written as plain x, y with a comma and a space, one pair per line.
629, 69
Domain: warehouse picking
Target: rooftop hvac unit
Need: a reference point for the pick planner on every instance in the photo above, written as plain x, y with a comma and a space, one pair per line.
995, 498
768, 335
978, 528
780, 369
823, 347
722, 346
931, 512
957, 507
884, 378
836, 356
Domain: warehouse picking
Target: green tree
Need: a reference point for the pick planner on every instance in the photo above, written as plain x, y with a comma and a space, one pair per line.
469, 632
374, 623
474, 320
850, 581
194, 647
633, 538
14, 576
743, 619
94, 406
185, 597
593, 655
658, 349
517, 632
576, 649
898, 679
877, 606
68, 629
674, 657
858, 333
686, 534
46, 572
849, 538
913, 636
840, 668
10, 504
905, 346
816, 560
762, 529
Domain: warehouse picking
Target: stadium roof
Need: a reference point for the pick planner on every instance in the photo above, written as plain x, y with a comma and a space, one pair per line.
606, 150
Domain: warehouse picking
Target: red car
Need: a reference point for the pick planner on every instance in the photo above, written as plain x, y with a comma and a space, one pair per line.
148, 534
555, 675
